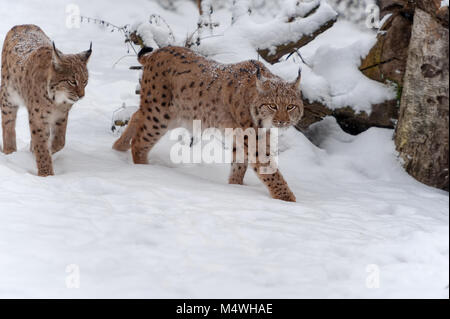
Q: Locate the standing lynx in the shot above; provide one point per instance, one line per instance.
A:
(47, 82)
(178, 84)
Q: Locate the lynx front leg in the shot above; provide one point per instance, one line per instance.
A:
(9, 115)
(238, 167)
(276, 184)
(267, 171)
(40, 134)
(237, 173)
(59, 133)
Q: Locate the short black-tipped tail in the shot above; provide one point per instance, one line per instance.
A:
(143, 52)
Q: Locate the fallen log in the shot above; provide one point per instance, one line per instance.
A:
(284, 49)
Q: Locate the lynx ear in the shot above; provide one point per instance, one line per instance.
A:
(86, 54)
(258, 72)
(56, 57)
(259, 80)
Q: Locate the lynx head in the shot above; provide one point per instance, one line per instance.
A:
(69, 75)
(277, 103)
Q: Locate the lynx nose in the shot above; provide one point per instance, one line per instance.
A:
(281, 123)
(81, 94)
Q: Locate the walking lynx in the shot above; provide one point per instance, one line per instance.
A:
(178, 84)
(47, 82)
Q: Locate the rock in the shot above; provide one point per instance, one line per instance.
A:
(396, 6)
(382, 115)
(422, 134)
(386, 61)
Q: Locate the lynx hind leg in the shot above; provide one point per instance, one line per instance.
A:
(9, 115)
(123, 144)
(149, 131)
(153, 122)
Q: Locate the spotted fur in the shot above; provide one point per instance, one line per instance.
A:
(35, 74)
(179, 85)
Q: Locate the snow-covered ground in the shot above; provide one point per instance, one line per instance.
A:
(361, 227)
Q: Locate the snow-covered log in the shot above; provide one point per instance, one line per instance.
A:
(299, 24)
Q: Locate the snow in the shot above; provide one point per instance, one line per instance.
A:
(295, 8)
(155, 32)
(355, 11)
(276, 31)
(166, 230)
(444, 3)
(347, 85)
(332, 75)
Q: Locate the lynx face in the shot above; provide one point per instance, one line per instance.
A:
(278, 104)
(69, 76)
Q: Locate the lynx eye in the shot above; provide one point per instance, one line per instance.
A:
(273, 107)
(291, 107)
(72, 83)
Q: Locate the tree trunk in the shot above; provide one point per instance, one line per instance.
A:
(422, 134)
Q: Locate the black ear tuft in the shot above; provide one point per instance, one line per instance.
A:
(258, 69)
(258, 72)
(89, 52)
(55, 50)
(144, 51)
(299, 77)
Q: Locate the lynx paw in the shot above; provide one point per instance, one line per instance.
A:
(9, 150)
(235, 181)
(45, 172)
(287, 196)
(57, 148)
(121, 146)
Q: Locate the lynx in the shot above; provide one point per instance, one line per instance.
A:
(47, 82)
(180, 85)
